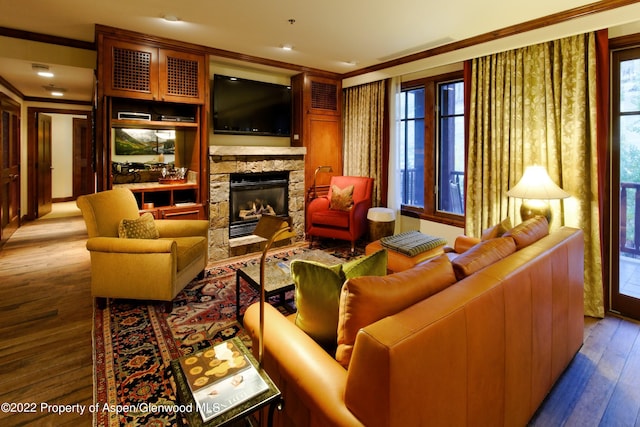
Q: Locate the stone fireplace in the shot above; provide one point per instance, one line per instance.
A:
(266, 166)
(252, 195)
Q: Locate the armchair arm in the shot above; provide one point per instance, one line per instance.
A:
(359, 217)
(133, 246)
(182, 227)
(313, 379)
(319, 204)
(316, 205)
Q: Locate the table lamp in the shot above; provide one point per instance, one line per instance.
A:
(315, 175)
(284, 228)
(536, 188)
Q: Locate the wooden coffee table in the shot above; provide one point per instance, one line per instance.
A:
(277, 275)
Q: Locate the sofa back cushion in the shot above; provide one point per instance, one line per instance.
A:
(497, 230)
(367, 299)
(529, 231)
(482, 255)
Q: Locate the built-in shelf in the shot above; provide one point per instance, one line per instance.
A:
(151, 124)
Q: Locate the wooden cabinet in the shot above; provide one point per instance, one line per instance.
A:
(317, 124)
(158, 87)
(133, 70)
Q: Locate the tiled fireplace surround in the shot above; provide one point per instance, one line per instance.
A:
(225, 160)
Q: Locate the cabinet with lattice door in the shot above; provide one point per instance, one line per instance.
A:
(140, 71)
(151, 121)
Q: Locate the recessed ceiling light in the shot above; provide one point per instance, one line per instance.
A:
(42, 70)
(171, 18)
(287, 47)
(54, 90)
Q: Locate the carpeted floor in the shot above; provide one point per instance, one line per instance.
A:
(134, 342)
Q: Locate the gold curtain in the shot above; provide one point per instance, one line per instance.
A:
(537, 105)
(363, 133)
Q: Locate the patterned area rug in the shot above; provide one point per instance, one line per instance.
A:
(134, 343)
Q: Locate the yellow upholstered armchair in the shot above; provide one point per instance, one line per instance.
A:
(145, 267)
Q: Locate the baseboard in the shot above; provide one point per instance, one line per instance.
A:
(63, 199)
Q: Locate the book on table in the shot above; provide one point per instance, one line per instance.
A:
(220, 378)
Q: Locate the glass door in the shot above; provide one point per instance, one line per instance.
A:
(625, 168)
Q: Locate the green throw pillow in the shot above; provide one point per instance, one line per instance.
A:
(374, 264)
(139, 228)
(317, 294)
(317, 299)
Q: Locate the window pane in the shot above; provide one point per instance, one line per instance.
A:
(452, 98)
(415, 103)
(450, 173)
(412, 143)
(630, 86)
(413, 193)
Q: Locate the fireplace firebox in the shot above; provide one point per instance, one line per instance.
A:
(253, 195)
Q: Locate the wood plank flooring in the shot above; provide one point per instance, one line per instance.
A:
(45, 320)
(46, 339)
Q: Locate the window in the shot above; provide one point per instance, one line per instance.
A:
(450, 147)
(412, 142)
(433, 155)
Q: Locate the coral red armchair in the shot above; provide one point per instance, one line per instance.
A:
(337, 215)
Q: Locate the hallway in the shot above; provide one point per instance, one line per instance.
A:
(45, 319)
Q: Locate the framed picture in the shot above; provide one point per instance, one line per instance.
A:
(144, 141)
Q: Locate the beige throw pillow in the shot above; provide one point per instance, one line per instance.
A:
(341, 198)
(139, 228)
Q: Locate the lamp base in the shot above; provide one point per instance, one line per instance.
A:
(531, 208)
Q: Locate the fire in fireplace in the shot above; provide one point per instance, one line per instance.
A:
(253, 195)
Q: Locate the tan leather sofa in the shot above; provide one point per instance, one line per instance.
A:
(134, 268)
(484, 351)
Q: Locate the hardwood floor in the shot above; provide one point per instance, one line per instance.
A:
(45, 320)
(46, 339)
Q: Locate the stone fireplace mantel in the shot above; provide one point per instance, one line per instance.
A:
(223, 150)
(227, 160)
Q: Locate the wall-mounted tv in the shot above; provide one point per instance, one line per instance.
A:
(249, 107)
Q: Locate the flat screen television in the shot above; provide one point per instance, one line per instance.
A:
(249, 107)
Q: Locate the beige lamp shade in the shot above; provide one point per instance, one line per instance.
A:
(536, 184)
(536, 187)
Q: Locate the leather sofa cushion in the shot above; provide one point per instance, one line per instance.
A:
(497, 230)
(331, 218)
(529, 231)
(482, 255)
(366, 299)
(317, 293)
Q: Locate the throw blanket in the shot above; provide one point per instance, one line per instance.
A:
(412, 243)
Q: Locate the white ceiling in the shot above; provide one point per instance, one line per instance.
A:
(333, 35)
